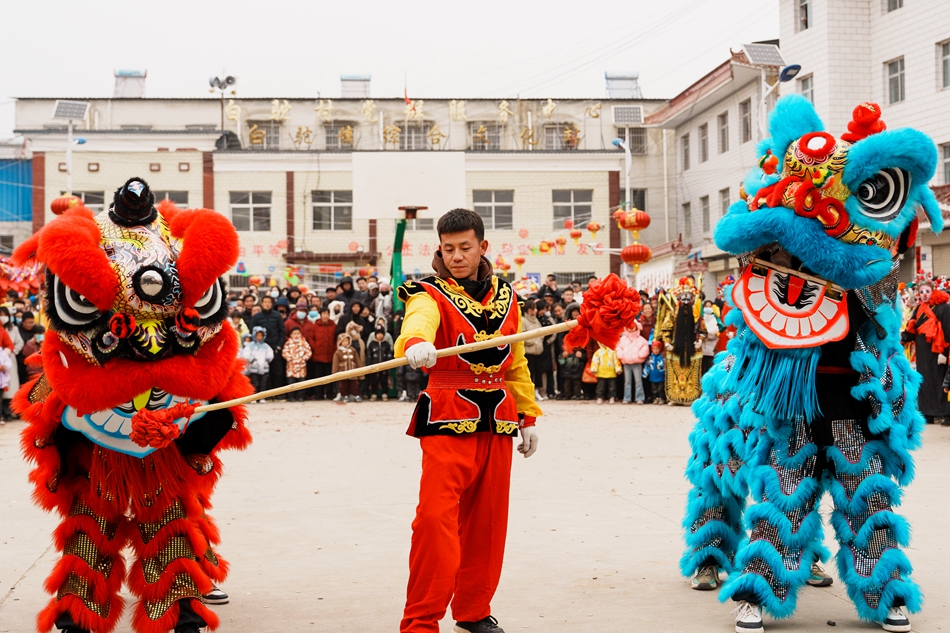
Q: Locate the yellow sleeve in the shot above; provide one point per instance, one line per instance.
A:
(519, 380)
(422, 321)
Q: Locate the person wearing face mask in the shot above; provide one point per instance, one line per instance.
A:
(11, 340)
(297, 318)
(323, 343)
(34, 346)
(929, 328)
(710, 327)
(382, 305)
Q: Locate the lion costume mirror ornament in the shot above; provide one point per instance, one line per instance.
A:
(814, 394)
(137, 310)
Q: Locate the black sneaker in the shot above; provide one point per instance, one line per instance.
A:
(215, 596)
(485, 625)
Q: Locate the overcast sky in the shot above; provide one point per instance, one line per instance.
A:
(300, 48)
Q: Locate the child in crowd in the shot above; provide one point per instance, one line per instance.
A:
(296, 352)
(34, 346)
(378, 351)
(606, 366)
(412, 379)
(259, 356)
(7, 365)
(571, 367)
(654, 370)
(632, 350)
(346, 358)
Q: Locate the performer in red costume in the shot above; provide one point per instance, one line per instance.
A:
(137, 310)
(474, 404)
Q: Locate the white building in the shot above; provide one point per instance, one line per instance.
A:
(315, 183)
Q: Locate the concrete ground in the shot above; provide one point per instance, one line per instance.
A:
(315, 521)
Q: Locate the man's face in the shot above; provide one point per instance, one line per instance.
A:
(29, 322)
(267, 303)
(549, 299)
(461, 253)
(255, 310)
(567, 296)
(325, 316)
(576, 285)
(331, 294)
(248, 302)
(361, 284)
(315, 302)
(552, 282)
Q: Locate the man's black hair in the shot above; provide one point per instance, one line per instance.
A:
(591, 277)
(460, 221)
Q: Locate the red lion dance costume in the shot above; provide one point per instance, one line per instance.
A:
(138, 312)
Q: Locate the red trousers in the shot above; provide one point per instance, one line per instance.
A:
(458, 535)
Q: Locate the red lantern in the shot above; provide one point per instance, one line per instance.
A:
(577, 235)
(544, 247)
(636, 254)
(634, 221)
(61, 204)
(519, 261)
(569, 224)
(617, 215)
(560, 241)
(593, 227)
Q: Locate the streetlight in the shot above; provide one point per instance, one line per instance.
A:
(786, 74)
(222, 85)
(68, 111)
(769, 56)
(626, 164)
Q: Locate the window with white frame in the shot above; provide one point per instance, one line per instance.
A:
(895, 80)
(572, 204)
(415, 135)
(6, 244)
(92, 200)
(635, 138)
(722, 123)
(806, 87)
(496, 207)
(566, 279)
(745, 121)
(724, 201)
(180, 198)
(238, 281)
(687, 219)
(263, 134)
(560, 136)
(332, 210)
(339, 134)
(485, 135)
(894, 5)
(684, 151)
(946, 163)
(704, 207)
(703, 142)
(804, 14)
(250, 210)
(944, 51)
(638, 198)
(419, 224)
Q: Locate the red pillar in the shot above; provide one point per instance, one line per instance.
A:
(39, 190)
(613, 199)
(207, 172)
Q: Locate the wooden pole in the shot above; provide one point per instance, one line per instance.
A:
(390, 364)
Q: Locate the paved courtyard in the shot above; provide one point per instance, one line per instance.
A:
(315, 521)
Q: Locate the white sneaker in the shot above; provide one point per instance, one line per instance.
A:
(896, 621)
(338, 397)
(748, 618)
(537, 396)
(403, 397)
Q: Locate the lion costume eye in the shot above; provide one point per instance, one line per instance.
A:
(210, 302)
(73, 308)
(882, 196)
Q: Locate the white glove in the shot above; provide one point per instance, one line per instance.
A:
(421, 355)
(941, 359)
(668, 347)
(698, 345)
(529, 441)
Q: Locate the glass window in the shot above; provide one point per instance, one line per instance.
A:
(561, 136)
(180, 198)
(339, 135)
(413, 135)
(946, 164)
(250, 210)
(684, 151)
(723, 124)
(745, 118)
(945, 64)
(263, 134)
(419, 224)
(332, 210)
(804, 14)
(635, 138)
(572, 204)
(638, 197)
(495, 207)
(92, 200)
(724, 201)
(703, 142)
(704, 206)
(895, 80)
(894, 5)
(485, 135)
(687, 219)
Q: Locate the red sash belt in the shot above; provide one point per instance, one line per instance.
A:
(465, 379)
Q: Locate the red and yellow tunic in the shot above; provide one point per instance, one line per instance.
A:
(485, 391)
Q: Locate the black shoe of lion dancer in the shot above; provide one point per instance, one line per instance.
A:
(485, 625)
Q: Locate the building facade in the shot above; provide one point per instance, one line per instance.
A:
(314, 185)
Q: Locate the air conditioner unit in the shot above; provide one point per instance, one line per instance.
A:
(627, 114)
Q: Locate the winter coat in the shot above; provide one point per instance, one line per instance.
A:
(382, 306)
(14, 333)
(240, 330)
(322, 339)
(356, 340)
(572, 366)
(257, 355)
(273, 325)
(546, 362)
(345, 359)
(632, 348)
(378, 352)
(7, 368)
(605, 363)
(654, 369)
(296, 352)
(534, 346)
(32, 347)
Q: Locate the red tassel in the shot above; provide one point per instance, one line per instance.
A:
(157, 428)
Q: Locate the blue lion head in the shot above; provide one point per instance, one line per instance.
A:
(839, 209)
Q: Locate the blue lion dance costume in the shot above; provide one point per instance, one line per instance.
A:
(813, 393)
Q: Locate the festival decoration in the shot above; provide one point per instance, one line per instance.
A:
(519, 262)
(576, 235)
(256, 280)
(523, 233)
(568, 224)
(593, 227)
(22, 279)
(241, 269)
(61, 204)
(634, 221)
(636, 254)
(560, 241)
(544, 247)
